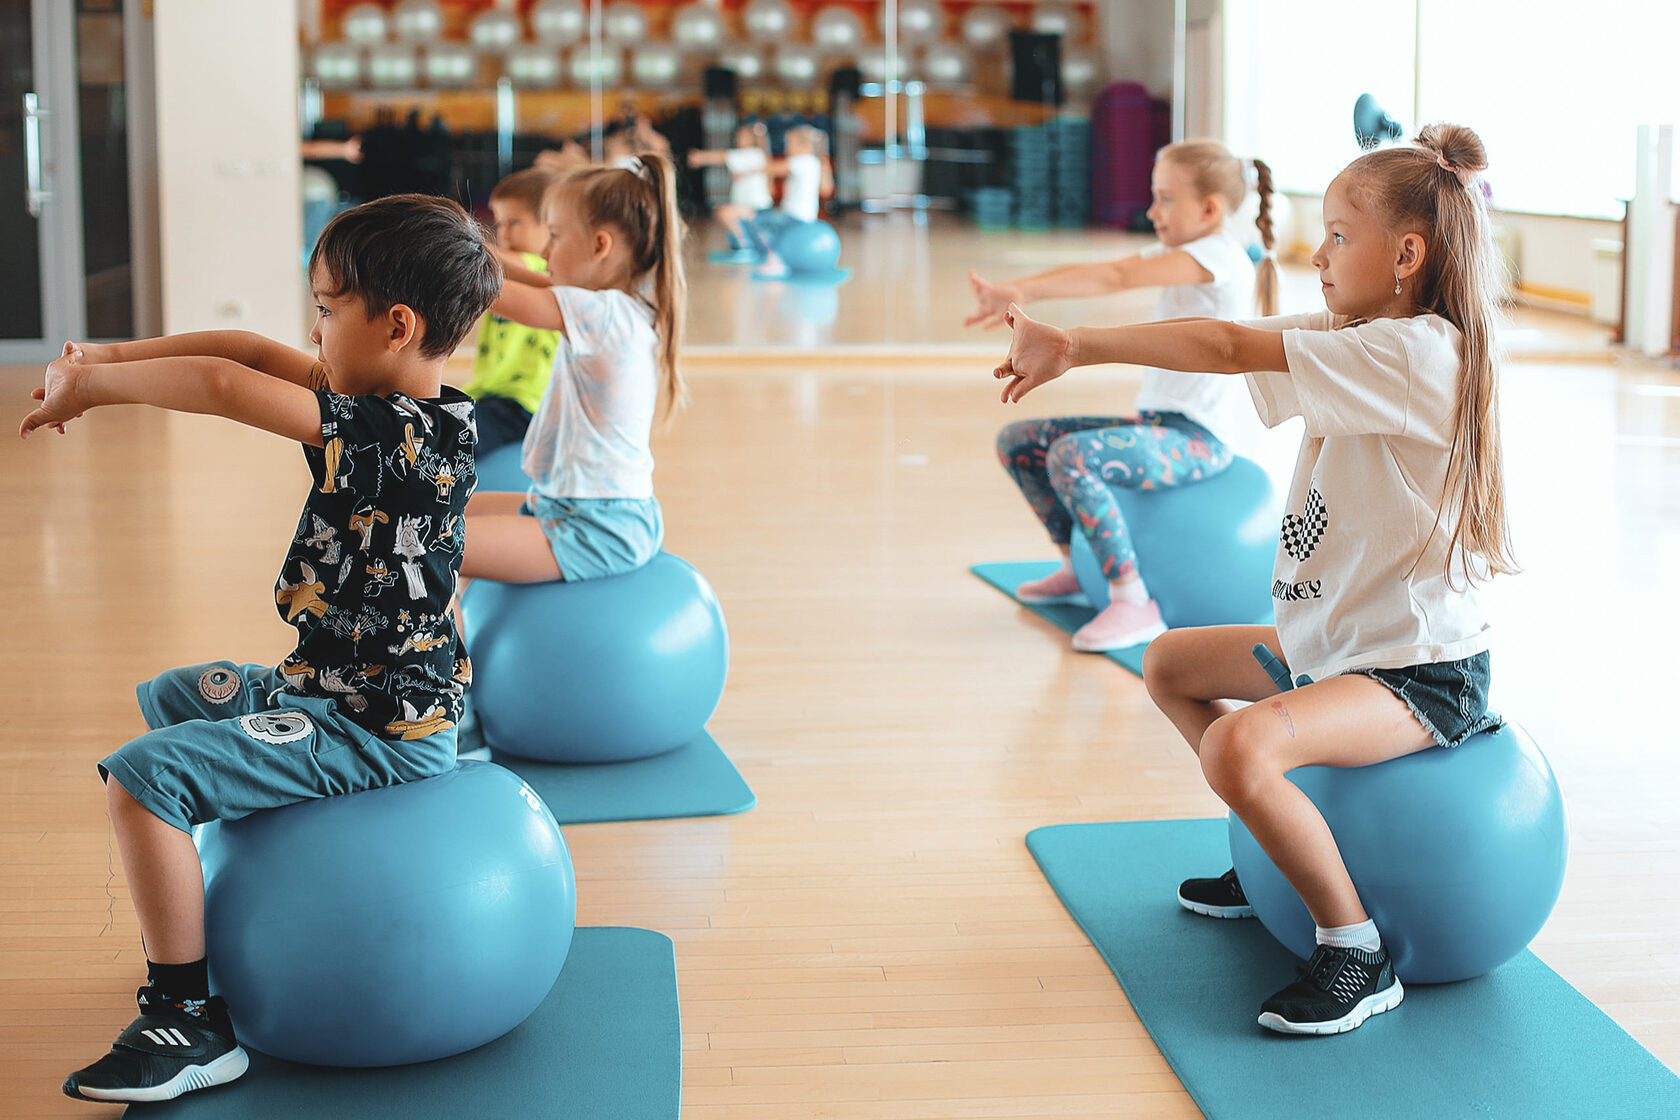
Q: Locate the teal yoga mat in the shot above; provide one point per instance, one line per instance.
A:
(696, 780)
(1519, 1042)
(606, 1043)
(1009, 575)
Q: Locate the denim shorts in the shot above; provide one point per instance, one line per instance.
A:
(1449, 697)
(597, 537)
(223, 745)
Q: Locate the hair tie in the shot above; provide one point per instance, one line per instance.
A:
(1269, 255)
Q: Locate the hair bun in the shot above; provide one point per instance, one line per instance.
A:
(1459, 146)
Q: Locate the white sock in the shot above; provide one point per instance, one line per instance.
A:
(1129, 591)
(1360, 935)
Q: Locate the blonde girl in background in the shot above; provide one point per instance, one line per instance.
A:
(749, 181)
(1396, 509)
(512, 363)
(1181, 423)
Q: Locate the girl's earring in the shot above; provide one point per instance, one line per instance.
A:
(1397, 285)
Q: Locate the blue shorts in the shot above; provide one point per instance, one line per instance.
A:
(597, 537)
(220, 750)
(1450, 698)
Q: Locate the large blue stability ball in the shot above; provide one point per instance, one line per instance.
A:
(602, 670)
(501, 470)
(808, 248)
(391, 926)
(1458, 854)
(1204, 549)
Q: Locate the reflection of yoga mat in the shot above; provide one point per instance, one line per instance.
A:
(605, 1043)
(695, 780)
(1518, 1042)
(1007, 576)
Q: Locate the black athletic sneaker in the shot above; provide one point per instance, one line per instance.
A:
(1217, 898)
(1337, 990)
(167, 1051)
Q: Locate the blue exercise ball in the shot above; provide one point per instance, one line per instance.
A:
(808, 248)
(501, 470)
(1458, 854)
(390, 926)
(601, 670)
(1204, 549)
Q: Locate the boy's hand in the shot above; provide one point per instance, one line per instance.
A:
(1037, 353)
(90, 353)
(61, 399)
(993, 301)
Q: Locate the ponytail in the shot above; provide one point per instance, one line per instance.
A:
(1266, 275)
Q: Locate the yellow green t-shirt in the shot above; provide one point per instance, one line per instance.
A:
(513, 360)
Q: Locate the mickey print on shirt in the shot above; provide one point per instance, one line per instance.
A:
(1300, 535)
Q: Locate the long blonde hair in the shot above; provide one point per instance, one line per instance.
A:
(1216, 173)
(640, 202)
(1431, 189)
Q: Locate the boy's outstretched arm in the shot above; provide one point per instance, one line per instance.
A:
(248, 348)
(213, 385)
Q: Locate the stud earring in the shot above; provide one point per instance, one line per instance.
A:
(1397, 285)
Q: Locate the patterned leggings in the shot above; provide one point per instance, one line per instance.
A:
(1066, 464)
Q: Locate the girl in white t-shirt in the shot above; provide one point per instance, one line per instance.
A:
(1065, 465)
(1396, 509)
(749, 181)
(615, 290)
(806, 181)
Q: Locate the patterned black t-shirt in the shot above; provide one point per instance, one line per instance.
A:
(370, 573)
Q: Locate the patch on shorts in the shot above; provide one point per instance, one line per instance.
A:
(218, 685)
(277, 728)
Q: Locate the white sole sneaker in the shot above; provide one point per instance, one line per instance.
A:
(229, 1067)
(1123, 641)
(1076, 599)
(1374, 1004)
(1216, 911)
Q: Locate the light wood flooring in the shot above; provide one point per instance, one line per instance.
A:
(873, 941)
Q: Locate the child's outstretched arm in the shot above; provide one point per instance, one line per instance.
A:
(527, 296)
(213, 385)
(707, 157)
(248, 348)
(1039, 352)
(1077, 281)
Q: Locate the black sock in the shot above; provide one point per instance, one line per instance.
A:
(180, 981)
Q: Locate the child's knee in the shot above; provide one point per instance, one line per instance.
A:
(1063, 460)
(1011, 439)
(1233, 757)
(1164, 663)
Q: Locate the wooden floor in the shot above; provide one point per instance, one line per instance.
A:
(873, 942)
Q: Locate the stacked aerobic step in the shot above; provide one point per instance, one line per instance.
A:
(1031, 172)
(1071, 141)
(993, 207)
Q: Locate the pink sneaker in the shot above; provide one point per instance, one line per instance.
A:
(1060, 586)
(1119, 625)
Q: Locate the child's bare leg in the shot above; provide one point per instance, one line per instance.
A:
(164, 878)
(506, 545)
(1193, 674)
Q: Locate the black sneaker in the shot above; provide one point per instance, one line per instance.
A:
(1217, 898)
(167, 1051)
(1337, 990)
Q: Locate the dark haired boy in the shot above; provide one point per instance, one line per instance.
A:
(372, 692)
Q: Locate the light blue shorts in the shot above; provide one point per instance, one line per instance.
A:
(597, 537)
(220, 750)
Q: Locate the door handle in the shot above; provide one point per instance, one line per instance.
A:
(33, 193)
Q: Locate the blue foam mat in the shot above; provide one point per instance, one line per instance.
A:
(1519, 1042)
(695, 780)
(607, 1042)
(1006, 576)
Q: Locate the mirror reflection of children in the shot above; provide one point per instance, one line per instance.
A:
(806, 181)
(749, 181)
(1066, 465)
(1395, 512)
(512, 364)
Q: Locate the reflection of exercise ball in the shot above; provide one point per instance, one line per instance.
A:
(796, 65)
(318, 186)
(364, 24)
(393, 66)
(945, 64)
(333, 924)
(1057, 19)
(767, 21)
(1458, 854)
(656, 64)
(338, 65)
(417, 21)
(533, 66)
(494, 30)
(584, 66)
(1079, 72)
(558, 22)
(747, 63)
(808, 248)
(986, 28)
(624, 21)
(810, 305)
(697, 27)
(837, 29)
(450, 65)
(1204, 549)
(602, 670)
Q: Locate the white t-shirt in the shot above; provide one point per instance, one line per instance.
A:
(589, 437)
(802, 189)
(1349, 586)
(1213, 400)
(749, 186)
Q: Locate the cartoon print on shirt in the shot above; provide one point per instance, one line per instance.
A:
(444, 474)
(325, 538)
(305, 595)
(380, 578)
(411, 545)
(334, 451)
(363, 522)
(333, 681)
(415, 725)
(296, 673)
